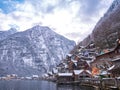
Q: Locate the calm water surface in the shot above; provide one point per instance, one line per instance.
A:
(36, 85)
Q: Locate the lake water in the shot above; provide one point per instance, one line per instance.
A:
(36, 85)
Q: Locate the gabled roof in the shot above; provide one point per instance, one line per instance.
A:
(104, 73)
(55, 70)
(74, 61)
(50, 73)
(69, 55)
(45, 75)
(77, 72)
(110, 68)
(88, 71)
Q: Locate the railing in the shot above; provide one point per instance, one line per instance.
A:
(101, 83)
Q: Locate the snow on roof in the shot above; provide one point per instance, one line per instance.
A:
(104, 73)
(88, 62)
(69, 55)
(35, 76)
(74, 61)
(107, 78)
(45, 75)
(55, 70)
(116, 59)
(92, 44)
(75, 64)
(82, 46)
(110, 68)
(14, 74)
(88, 71)
(66, 66)
(78, 71)
(118, 77)
(50, 73)
(64, 74)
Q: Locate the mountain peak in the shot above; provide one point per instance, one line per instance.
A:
(38, 27)
(34, 51)
(12, 30)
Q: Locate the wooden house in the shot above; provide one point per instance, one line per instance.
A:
(81, 74)
(115, 69)
(61, 67)
(68, 57)
(64, 78)
(72, 65)
(83, 65)
(102, 59)
(107, 60)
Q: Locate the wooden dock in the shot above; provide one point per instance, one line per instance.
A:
(98, 84)
(102, 84)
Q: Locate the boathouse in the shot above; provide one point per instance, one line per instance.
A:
(63, 78)
(78, 74)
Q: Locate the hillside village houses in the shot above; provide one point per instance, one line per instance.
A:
(86, 62)
(109, 62)
(77, 63)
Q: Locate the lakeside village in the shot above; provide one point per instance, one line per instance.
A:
(91, 67)
(85, 66)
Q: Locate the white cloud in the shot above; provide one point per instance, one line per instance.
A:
(66, 18)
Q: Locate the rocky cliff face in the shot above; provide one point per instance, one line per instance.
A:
(107, 30)
(34, 51)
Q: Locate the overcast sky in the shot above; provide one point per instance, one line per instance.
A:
(74, 19)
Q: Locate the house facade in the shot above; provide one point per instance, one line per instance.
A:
(65, 78)
(79, 74)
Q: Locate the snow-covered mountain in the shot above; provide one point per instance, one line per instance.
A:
(33, 51)
(5, 34)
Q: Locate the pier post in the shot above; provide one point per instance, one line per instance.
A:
(101, 84)
(116, 82)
